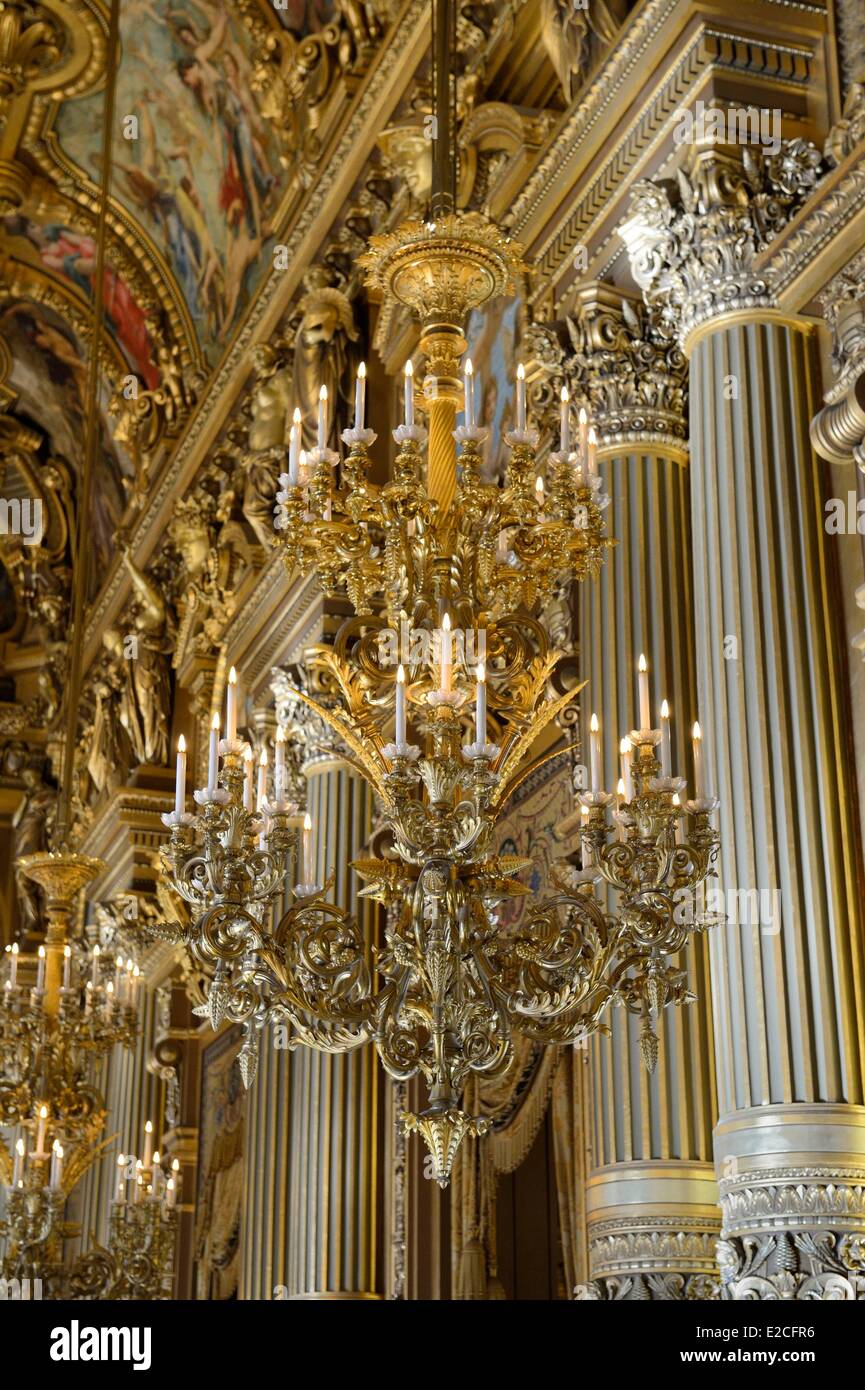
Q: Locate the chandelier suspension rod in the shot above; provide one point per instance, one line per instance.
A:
(91, 437)
(444, 157)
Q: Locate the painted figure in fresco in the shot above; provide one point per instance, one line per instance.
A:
(49, 375)
(72, 255)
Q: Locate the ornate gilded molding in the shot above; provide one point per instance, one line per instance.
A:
(693, 251)
(629, 1246)
(708, 50)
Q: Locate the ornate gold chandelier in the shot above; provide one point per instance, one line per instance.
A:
(73, 1000)
(463, 565)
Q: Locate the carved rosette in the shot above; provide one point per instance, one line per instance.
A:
(793, 1233)
(693, 249)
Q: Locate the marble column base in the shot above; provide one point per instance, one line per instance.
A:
(653, 1228)
(792, 1183)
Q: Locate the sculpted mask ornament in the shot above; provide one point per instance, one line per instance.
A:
(323, 355)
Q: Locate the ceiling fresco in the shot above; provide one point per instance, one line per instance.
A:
(201, 172)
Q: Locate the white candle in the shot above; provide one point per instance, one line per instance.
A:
(40, 969)
(118, 977)
(18, 1170)
(40, 1131)
(565, 428)
(56, 1164)
(595, 746)
(279, 775)
(539, 497)
(294, 448)
(121, 1179)
(180, 785)
(231, 707)
(13, 976)
(679, 833)
(360, 397)
(645, 705)
(584, 435)
(699, 791)
(625, 751)
(476, 395)
(408, 392)
(481, 704)
(94, 974)
(248, 768)
(445, 679)
(137, 1184)
(67, 965)
(592, 449)
(468, 394)
(170, 1191)
(213, 754)
(148, 1143)
(665, 740)
(308, 851)
(400, 705)
(262, 779)
(322, 417)
(521, 397)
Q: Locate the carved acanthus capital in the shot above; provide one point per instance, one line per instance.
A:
(793, 1234)
(632, 379)
(309, 740)
(692, 247)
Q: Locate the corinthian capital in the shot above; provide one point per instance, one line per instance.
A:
(631, 378)
(692, 245)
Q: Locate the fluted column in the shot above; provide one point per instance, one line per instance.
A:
(314, 1180)
(787, 961)
(652, 1197)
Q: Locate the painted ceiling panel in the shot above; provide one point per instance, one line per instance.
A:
(197, 167)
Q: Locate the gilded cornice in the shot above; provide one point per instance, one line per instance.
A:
(590, 218)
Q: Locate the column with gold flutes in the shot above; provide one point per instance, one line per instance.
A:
(652, 1196)
(314, 1184)
(787, 960)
